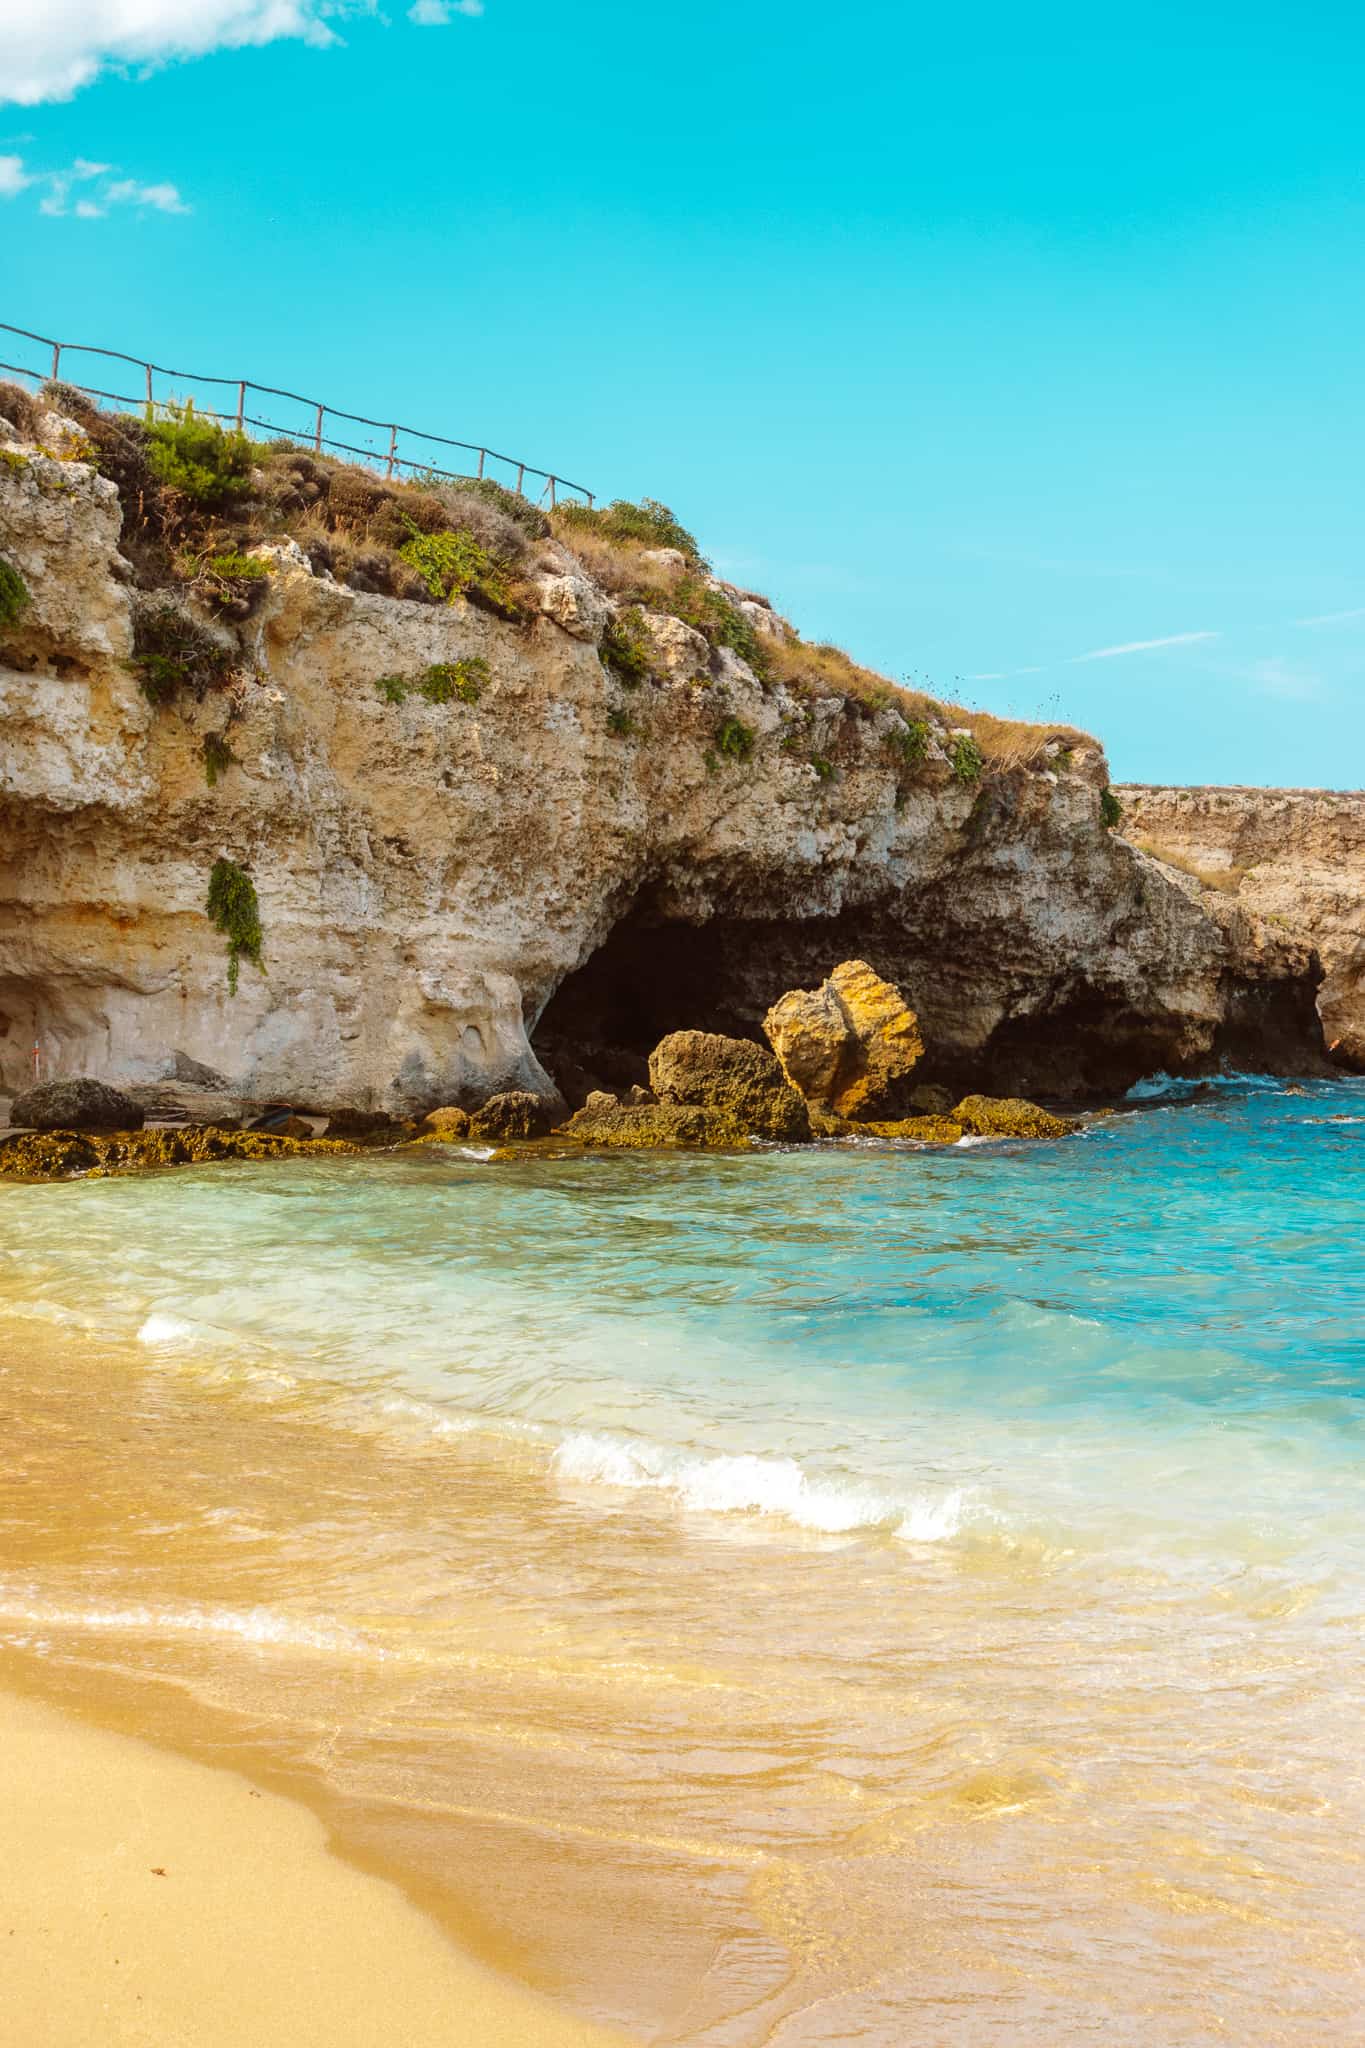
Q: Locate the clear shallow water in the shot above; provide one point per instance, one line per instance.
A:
(844, 1596)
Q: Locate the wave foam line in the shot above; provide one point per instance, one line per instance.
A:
(743, 1483)
(250, 1625)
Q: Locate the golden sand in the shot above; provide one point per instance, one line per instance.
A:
(150, 1902)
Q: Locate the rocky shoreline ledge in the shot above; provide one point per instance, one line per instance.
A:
(839, 1064)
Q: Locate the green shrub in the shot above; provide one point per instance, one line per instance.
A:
(911, 744)
(241, 568)
(441, 683)
(823, 766)
(233, 907)
(14, 593)
(966, 758)
(454, 564)
(626, 647)
(1111, 810)
(173, 652)
(718, 617)
(528, 517)
(446, 680)
(734, 739)
(218, 756)
(649, 523)
(621, 723)
(199, 459)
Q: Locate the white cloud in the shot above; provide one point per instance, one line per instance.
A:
(1277, 677)
(99, 194)
(49, 49)
(1322, 619)
(437, 13)
(1143, 646)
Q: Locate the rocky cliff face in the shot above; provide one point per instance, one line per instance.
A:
(457, 897)
(1293, 857)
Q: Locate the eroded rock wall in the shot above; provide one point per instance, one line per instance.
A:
(430, 875)
(1293, 857)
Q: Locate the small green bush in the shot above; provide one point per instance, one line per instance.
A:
(218, 757)
(528, 517)
(233, 907)
(734, 739)
(241, 568)
(454, 564)
(14, 593)
(718, 617)
(966, 758)
(911, 744)
(823, 766)
(1111, 810)
(621, 723)
(446, 680)
(393, 689)
(626, 647)
(173, 652)
(199, 459)
(649, 523)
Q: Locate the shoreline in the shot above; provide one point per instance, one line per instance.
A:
(146, 1898)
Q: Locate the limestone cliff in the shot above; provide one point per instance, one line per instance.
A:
(1294, 857)
(455, 896)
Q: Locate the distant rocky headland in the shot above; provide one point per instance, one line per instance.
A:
(370, 798)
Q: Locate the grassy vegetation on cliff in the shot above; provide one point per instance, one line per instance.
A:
(233, 908)
(14, 595)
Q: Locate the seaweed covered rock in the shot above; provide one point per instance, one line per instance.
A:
(448, 1124)
(79, 1105)
(922, 1130)
(643, 1127)
(514, 1114)
(57, 1155)
(849, 1044)
(1008, 1116)
(732, 1076)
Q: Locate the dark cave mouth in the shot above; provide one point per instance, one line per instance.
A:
(652, 976)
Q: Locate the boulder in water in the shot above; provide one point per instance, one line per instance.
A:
(732, 1076)
(80, 1105)
(514, 1114)
(1009, 1116)
(448, 1124)
(847, 1045)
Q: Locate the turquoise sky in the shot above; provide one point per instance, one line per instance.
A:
(992, 345)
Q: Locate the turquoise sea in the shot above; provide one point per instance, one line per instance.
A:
(857, 1594)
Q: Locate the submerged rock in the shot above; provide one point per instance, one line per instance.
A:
(641, 1127)
(924, 1130)
(80, 1105)
(57, 1155)
(847, 1044)
(514, 1114)
(1008, 1116)
(734, 1077)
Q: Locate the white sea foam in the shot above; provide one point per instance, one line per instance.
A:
(161, 1329)
(261, 1625)
(744, 1483)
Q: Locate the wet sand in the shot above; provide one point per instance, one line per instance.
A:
(149, 1900)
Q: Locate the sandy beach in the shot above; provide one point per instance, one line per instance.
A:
(147, 1901)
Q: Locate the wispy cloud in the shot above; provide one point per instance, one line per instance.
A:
(1276, 677)
(1143, 646)
(438, 13)
(49, 49)
(1002, 675)
(86, 190)
(1322, 619)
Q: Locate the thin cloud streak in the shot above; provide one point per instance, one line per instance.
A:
(1143, 646)
(1333, 618)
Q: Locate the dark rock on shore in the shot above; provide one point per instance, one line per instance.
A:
(57, 1155)
(79, 1105)
(733, 1077)
(644, 1127)
(515, 1114)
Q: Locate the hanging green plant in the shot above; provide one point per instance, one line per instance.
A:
(233, 907)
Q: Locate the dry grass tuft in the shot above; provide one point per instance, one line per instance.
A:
(1227, 881)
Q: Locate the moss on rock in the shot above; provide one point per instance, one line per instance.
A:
(57, 1155)
(670, 1126)
(1009, 1116)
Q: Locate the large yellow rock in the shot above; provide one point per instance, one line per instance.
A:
(847, 1044)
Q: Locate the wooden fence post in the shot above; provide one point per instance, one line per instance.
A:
(56, 359)
(317, 433)
(241, 406)
(393, 443)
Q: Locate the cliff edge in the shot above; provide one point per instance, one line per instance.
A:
(507, 832)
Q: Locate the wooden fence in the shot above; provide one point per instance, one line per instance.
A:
(308, 428)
